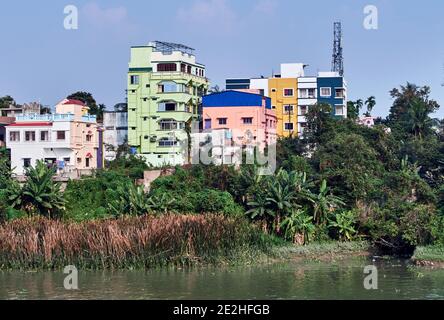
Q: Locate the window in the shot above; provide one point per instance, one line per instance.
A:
(303, 110)
(26, 162)
(339, 93)
(183, 67)
(14, 136)
(207, 124)
(67, 160)
(170, 124)
(222, 121)
(288, 92)
(189, 69)
(79, 160)
(325, 92)
(273, 107)
(312, 93)
(273, 90)
(87, 162)
(247, 120)
(288, 126)
(88, 137)
(167, 142)
(167, 106)
(288, 109)
(44, 135)
(339, 110)
(171, 87)
(60, 135)
(165, 67)
(29, 135)
(134, 80)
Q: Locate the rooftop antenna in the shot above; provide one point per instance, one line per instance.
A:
(338, 60)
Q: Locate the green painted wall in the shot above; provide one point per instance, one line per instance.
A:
(143, 113)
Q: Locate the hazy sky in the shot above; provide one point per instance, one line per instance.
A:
(40, 60)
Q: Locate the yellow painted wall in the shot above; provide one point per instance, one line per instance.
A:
(276, 88)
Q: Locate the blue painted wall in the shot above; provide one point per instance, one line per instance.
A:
(234, 99)
(332, 83)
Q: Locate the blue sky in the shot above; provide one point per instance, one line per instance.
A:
(41, 61)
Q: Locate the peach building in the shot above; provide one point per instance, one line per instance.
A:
(69, 139)
(248, 116)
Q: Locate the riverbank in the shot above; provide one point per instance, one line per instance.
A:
(429, 256)
(327, 251)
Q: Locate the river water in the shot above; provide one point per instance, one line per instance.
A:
(344, 279)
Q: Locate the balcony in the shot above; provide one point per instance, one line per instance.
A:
(54, 117)
(89, 118)
(167, 75)
(45, 117)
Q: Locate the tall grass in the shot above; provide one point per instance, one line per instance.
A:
(131, 242)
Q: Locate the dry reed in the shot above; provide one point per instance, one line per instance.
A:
(131, 242)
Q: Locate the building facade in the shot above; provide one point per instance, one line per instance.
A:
(69, 139)
(332, 90)
(292, 93)
(116, 130)
(247, 116)
(165, 89)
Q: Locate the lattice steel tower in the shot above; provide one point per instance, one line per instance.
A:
(338, 60)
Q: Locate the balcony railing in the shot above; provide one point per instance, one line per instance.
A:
(45, 117)
(53, 117)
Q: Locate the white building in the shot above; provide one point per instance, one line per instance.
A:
(69, 139)
(307, 97)
(116, 130)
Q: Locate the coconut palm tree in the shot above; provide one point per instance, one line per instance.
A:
(418, 118)
(370, 103)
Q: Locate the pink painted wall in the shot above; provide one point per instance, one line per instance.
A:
(263, 126)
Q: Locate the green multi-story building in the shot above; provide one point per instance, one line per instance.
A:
(165, 89)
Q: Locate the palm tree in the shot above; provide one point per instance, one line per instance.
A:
(40, 194)
(418, 118)
(359, 105)
(323, 203)
(370, 103)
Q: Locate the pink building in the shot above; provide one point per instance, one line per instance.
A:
(248, 116)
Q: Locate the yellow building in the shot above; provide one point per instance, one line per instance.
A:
(284, 99)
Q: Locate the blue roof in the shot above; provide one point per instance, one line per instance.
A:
(235, 99)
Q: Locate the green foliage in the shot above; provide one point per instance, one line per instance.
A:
(131, 200)
(129, 165)
(89, 198)
(6, 101)
(344, 224)
(40, 195)
(298, 227)
(89, 100)
(350, 166)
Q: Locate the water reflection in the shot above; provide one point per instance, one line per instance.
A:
(289, 280)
